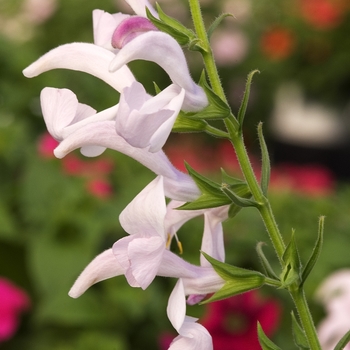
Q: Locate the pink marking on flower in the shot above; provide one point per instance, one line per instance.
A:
(13, 301)
(129, 29)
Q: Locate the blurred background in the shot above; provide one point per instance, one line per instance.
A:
(56, 215)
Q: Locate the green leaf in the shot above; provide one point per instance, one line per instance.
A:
(236, 199)
(299, 334)
(217, 22)
(172, 27)
(265, 342)
(315, 252)
(230, 180)
(243, 108)
(216, 109)
(238, 280)
(266, 166)
(343, 341)
(292, 270)
(264, 262)
(211, 196)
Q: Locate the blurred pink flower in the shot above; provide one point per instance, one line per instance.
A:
(13, 301)
(100, 188)
(46, 145)
(229, 46)
(232, 322)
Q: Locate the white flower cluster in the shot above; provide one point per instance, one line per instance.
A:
(138, 126)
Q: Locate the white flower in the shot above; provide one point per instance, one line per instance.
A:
(145, 121)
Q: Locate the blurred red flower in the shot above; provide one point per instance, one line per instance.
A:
(13, 301)
(322, 14)
(232, 322)
(303, 179)
(277, 43)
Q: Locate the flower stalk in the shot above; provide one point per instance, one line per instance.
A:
(296, 291)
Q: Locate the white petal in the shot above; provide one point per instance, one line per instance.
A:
(177, 185)
(84, 57)
(104, 25)
(139, 7)
(183, 188)
(176, 309)
(193, 336)
(213, 236)
(162, 49)
(175, 218)
(102, 267)
(146, 212)
(59, 107)
(196, 279)
(146, 256)
(161, 135)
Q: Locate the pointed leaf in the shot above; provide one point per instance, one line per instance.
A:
(236, 199)
(343, 341)
(238, 280)
(211, 196)
(217, 22)
(229, 179)
(299, 336)
(244, 104)
(264, 262)
(316, 251)
(265, 342)
(266, 166)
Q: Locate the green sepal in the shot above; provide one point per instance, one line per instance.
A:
(233, 210)
(343, 341)
(240, 188)
(184, 124)
(236, 199)
(264, 262)
(211, 196)
(171, 26)
(217, 22)
(243, 108)
(291, 272)
(265, 342)
(216, 109)
(315, 252)
(238, 280)
(265, 162)
(299, 336)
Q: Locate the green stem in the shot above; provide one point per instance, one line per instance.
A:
(266, 213)
(305, 316)
(207, 55)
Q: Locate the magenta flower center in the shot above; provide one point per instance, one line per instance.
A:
(129, 29)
